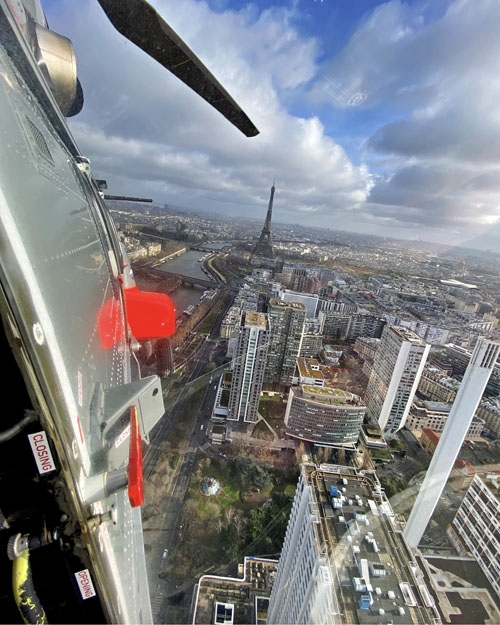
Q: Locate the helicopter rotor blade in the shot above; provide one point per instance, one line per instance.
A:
(141, 24)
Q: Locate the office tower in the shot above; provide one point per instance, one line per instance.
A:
(323, 415)
(475, 530)
(478, 371)
(286, 326)
(396, 371)
(249, 366)
(343, 560)
(264, 246)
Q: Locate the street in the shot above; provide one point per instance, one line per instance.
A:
(168, 528)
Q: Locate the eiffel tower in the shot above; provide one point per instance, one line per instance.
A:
(264, 246)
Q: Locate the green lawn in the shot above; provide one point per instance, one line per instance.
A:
(262, 431)
(380, 454)
(395, 443)
(276, 423)
(270, 398)
(272, 407)
(206, 325)
(229, 494)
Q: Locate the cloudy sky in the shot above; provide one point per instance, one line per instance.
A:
(374, 117)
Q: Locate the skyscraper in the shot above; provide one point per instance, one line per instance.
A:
(343, 559)
(476, 377)
(264, 246)
(249, 366)
(397, 367)
(286, 327)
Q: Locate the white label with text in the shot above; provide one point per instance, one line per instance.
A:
(123, 436)
(85, 584)
(42, 453)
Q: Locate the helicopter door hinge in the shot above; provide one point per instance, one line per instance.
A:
(109, 407)
(83, 164)
(102, 485)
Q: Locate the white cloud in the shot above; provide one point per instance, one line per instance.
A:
(438, 79)
(433, 164)
(148, 133)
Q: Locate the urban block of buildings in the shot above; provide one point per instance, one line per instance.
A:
(432, 415)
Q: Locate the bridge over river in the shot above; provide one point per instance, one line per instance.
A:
(186, 280)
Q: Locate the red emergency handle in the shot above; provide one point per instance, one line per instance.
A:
(135, 478)
(150, 315)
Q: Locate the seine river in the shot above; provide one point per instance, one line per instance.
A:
(187, 265)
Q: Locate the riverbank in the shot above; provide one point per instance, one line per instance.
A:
(184, 325)
(211, 271)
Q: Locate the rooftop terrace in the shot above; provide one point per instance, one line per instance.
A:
(248, 594)
(363, 543)
(255, 319)
(331, 396)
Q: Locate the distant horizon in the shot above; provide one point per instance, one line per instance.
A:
(204, 212)
(379, 117)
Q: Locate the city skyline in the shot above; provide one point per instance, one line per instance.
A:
(309, 434)
(329, 118)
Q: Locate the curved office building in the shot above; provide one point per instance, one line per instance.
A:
(324, 416)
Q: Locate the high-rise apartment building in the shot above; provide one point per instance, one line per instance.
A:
(350, 325)
(475, 530)
(298, 280)
(476, 377)
(311, 345)
(344, 559)
(396, 371)
(365, 324)
(248, 368)
(366, 347)
(335, 305)
(286, 327)
(334, 324)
